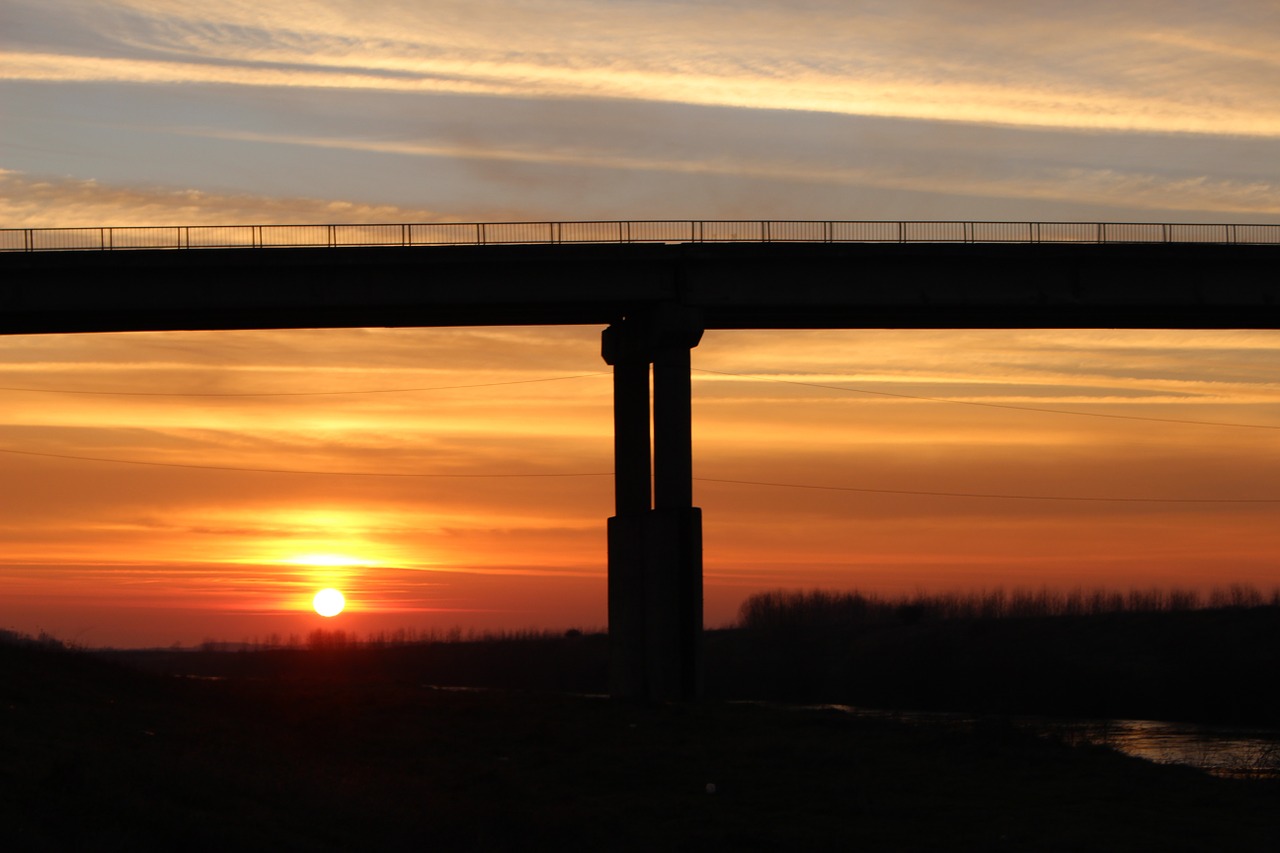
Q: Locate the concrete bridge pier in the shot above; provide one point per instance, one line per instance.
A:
(655, 538)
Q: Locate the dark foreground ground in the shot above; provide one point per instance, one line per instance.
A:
(94, 756)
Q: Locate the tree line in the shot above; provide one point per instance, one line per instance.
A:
(781, 608)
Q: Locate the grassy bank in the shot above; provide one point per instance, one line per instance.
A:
(96, 756)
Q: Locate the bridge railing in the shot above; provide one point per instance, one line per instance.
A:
(634, 231)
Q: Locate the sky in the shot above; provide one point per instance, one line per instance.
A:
(178, 487)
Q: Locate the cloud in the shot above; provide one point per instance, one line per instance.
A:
(1047, 182)
(1187, 364)
(64, 202)
(1083, 68)
(578, 109)
(29, 201)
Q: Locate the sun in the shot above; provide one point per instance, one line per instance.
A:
(330, 561)
(328, 602)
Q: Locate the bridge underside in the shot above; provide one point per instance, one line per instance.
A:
(655, 300)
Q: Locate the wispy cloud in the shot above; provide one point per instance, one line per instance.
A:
(1069, 69)
(1137, 189)
(585, 109)
(28, 201)
(60, 202)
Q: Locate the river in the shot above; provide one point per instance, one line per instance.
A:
(1221, 750)
(1237, 752)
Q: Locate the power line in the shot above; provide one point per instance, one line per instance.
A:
(989, 405)
(300, 393)
(292, 470)
(1087, 499)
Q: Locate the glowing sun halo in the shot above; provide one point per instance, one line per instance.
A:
(328, 602)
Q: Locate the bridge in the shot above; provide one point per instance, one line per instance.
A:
(656, 287)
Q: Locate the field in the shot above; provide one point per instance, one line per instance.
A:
(330, 756)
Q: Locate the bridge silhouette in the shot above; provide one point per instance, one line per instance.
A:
(655, 287)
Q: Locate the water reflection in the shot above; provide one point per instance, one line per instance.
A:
(1221, 750)
(1252, 753)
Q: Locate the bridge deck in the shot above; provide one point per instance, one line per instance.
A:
(734, 285)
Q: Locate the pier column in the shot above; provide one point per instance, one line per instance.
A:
(655, 538)
(625, 346)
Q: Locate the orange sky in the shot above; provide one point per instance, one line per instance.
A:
(150, 554)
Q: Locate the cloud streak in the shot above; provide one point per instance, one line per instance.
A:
(1144, 190)
(1074, 70)
(322, 110)
(28, 201)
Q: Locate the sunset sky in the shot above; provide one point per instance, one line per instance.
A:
(176, 487)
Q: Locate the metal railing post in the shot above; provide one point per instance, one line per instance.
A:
(859, 231)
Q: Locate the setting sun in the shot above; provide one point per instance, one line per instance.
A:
(328, 560)
(328, 602)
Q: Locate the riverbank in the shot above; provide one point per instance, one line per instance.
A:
(103, 757)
